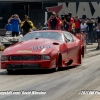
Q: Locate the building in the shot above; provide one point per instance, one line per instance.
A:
(36, 9)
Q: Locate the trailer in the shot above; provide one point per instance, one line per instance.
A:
(6, 41)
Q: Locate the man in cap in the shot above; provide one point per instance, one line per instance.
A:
(54, 22)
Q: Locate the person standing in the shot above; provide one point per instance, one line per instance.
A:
(8, 28)
(83, 26)
(87, 33)
(98, 35)
(27, 25)
(15, 21)
(90, 32)
(83, 33)
(64, 20)
(54, 22)
(39, 27)
(71, 21)
(77, 26)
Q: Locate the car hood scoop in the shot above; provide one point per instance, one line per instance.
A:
(55, 43)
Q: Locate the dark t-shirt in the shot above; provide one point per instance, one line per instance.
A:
(26, 26)
(66, 26)
(53, 23)
(90, 25)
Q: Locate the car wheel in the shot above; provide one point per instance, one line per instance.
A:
(80, 58)
(57, 64)
(56, 69)
(9, 71)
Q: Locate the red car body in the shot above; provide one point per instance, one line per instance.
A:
(43, 53)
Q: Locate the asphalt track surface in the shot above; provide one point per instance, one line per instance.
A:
(66, 84)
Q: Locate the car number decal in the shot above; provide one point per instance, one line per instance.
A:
(40, 47)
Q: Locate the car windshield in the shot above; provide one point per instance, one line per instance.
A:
(49, 35)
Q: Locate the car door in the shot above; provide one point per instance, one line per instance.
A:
(72, 46)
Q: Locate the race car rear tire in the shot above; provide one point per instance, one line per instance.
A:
(80, 57)
(55, 69)
(58, 64)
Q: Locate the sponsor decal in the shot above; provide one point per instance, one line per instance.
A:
(24, 51)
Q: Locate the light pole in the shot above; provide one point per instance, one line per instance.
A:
(46, 16)
(27, 8)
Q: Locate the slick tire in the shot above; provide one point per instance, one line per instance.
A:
(9, 71)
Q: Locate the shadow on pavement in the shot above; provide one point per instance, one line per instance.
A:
(30, 72)
(94, 50)
(68, 68)
(36, 71)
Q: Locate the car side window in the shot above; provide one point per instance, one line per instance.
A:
(69, 37)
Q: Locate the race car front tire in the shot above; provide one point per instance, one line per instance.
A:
(9, 71)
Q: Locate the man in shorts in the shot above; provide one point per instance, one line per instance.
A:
(15, 21)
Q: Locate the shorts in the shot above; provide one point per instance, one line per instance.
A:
(82, 32)
(77, 30)
(15, 34)
(98, 35)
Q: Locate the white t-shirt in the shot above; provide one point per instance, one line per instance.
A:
(83, 27)
(98, 30)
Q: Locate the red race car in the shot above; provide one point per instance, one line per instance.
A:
(45, 49)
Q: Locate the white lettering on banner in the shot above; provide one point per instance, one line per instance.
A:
(97, 8)
(83, 9)
(71, 8)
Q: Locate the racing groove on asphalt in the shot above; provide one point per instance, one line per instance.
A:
(61, 85)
